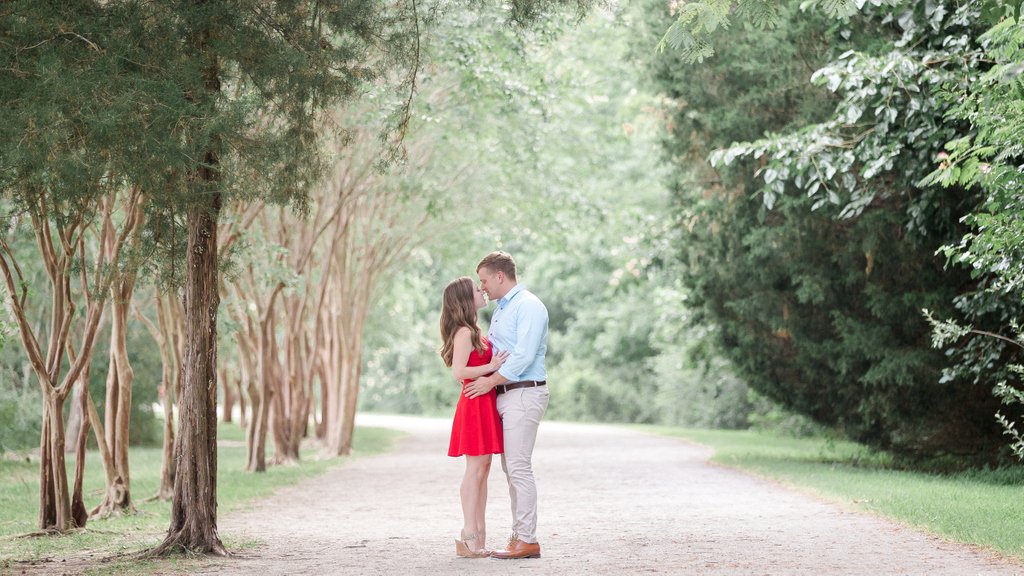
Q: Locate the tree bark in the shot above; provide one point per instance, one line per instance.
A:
(227, 385)
(117, 414)
(243, 418)
(55, 501)
(193, 525)
(167, 467)
(120, 376)
(170, 339)
(81, 406)
(75, 421)
(166, 332)
(255, 458)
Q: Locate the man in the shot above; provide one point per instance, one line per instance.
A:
(519, 326)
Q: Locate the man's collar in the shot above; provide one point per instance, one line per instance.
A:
(510, 295)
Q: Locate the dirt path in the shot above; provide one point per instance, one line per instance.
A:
(612, 501)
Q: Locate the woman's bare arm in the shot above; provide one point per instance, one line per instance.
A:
(462, 346)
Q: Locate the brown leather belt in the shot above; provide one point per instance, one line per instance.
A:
(502, 388)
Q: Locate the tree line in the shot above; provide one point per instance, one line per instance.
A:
(193, 165)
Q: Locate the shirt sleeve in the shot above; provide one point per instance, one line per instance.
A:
(531, 326)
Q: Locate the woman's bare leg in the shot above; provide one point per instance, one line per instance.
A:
(481, 507)
(476, 468)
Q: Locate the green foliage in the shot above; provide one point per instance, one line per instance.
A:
(987, 158)
(690, 34)
(815, 286)
(19, 411)
(566, 177)
(884, 125)
(1011, 396)
(145, 94)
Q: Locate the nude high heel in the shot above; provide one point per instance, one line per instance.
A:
(462, 549)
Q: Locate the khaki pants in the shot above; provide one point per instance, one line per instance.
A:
(521, 410)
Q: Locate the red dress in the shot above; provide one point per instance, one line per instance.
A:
(476, 430)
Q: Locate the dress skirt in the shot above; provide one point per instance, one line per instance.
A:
(476, 428)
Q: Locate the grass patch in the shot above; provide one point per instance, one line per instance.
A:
(981, 507)
(236, 489)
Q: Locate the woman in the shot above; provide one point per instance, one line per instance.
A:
(476, 430)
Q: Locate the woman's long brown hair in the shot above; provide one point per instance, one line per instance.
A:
(457, 310)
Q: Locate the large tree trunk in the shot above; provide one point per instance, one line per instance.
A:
(194, 508)
(193, 525)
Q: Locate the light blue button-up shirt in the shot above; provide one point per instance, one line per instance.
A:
(520, 326)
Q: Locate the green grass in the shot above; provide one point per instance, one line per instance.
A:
(982, 507)
(19, 498)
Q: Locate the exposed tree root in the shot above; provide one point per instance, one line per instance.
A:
(173, 544)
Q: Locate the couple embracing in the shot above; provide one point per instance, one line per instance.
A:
(504, 396)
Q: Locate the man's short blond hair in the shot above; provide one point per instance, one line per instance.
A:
(499, 262)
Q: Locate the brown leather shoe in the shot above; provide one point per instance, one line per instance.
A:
(518, 549)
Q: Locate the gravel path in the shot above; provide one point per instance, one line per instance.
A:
(612, 501)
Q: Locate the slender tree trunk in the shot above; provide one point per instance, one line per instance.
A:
(227, 385)
(75, 421)
(256, 433)
(321, 422)
(81, 406)
(166, 333)
(285, 450)
(351, 372)
(55, 502)
(105, 456)
(260, 420)
(248, 369)
(59, 260)
(265, 394)
(78, 511)
(299, 376)
(242, 407)
(166, 489)
(115, 488)
(118, 411)
(169, 337)
(120, 376)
